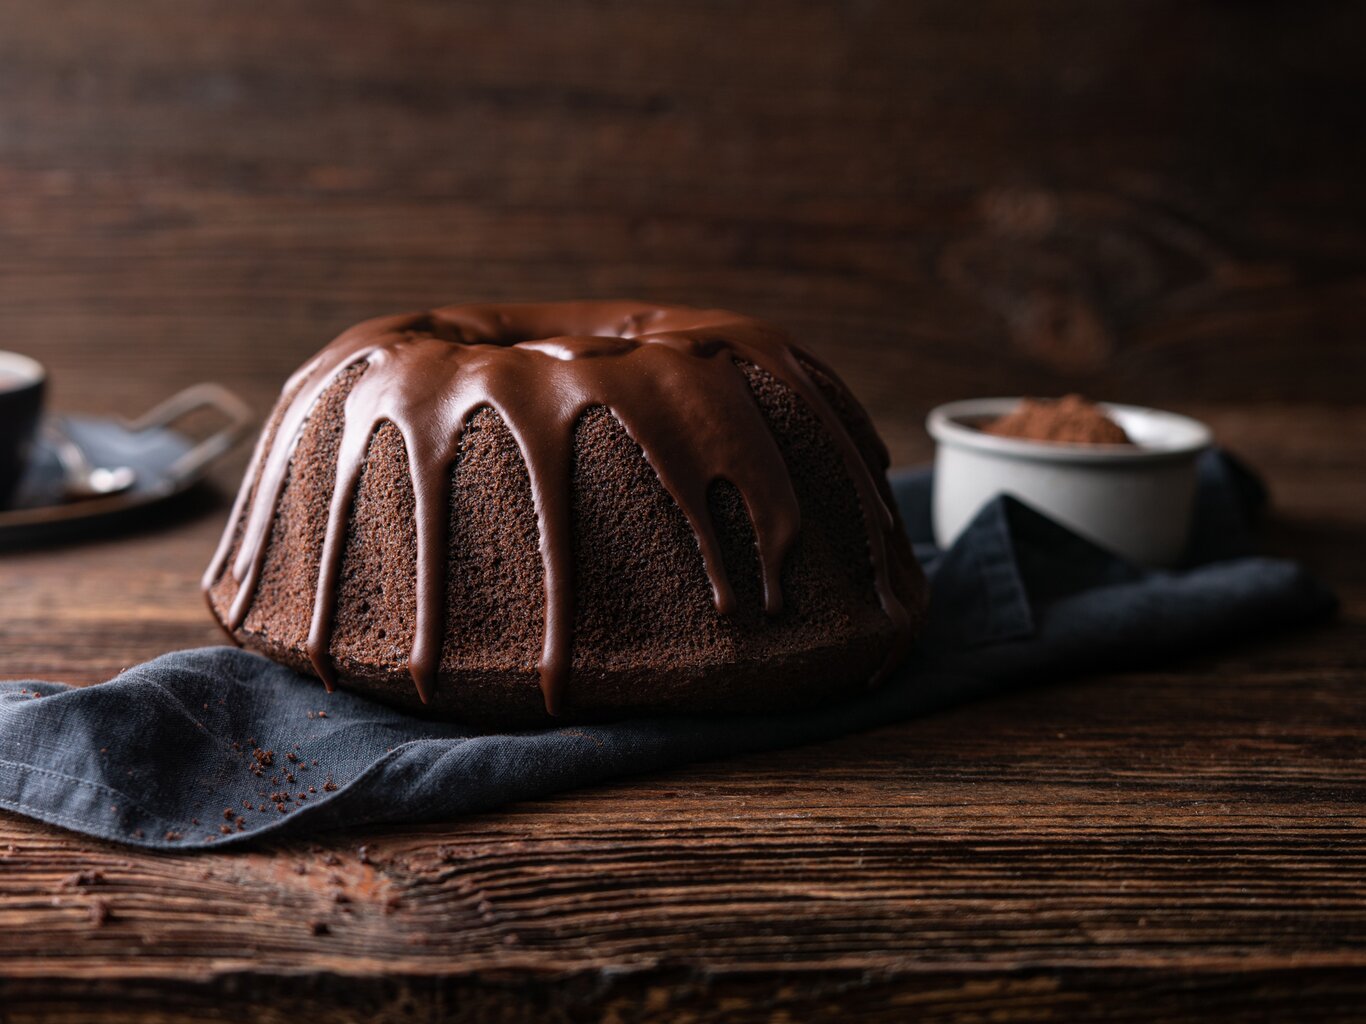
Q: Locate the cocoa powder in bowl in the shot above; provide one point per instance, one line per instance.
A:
(1071, 419)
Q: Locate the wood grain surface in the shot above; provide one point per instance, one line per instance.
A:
(1156, 202)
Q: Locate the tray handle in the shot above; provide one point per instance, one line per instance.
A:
(214, 397)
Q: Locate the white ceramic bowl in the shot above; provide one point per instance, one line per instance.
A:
(1132, 499)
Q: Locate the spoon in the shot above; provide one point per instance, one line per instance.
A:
(81, 479)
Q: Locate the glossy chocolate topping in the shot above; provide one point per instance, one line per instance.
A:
(669, 374)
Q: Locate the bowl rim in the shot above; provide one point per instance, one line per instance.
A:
(33, 372)
(944, 424)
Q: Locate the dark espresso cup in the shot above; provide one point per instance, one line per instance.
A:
(22, 383)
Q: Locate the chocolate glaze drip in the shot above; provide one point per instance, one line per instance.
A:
(668, 374)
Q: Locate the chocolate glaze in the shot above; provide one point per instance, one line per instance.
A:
(668, 374)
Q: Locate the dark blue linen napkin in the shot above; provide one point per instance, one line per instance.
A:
(215, 746)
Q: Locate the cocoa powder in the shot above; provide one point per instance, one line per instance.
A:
(1071, 419)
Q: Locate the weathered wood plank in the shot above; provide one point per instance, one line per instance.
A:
(1117, 824)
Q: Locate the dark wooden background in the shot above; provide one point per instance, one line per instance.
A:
(1159, 202)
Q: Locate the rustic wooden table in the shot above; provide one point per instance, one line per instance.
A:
(1159, 203)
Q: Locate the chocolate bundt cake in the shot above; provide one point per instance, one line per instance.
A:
(582, 509)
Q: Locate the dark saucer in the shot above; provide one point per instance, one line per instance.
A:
(167, 463)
